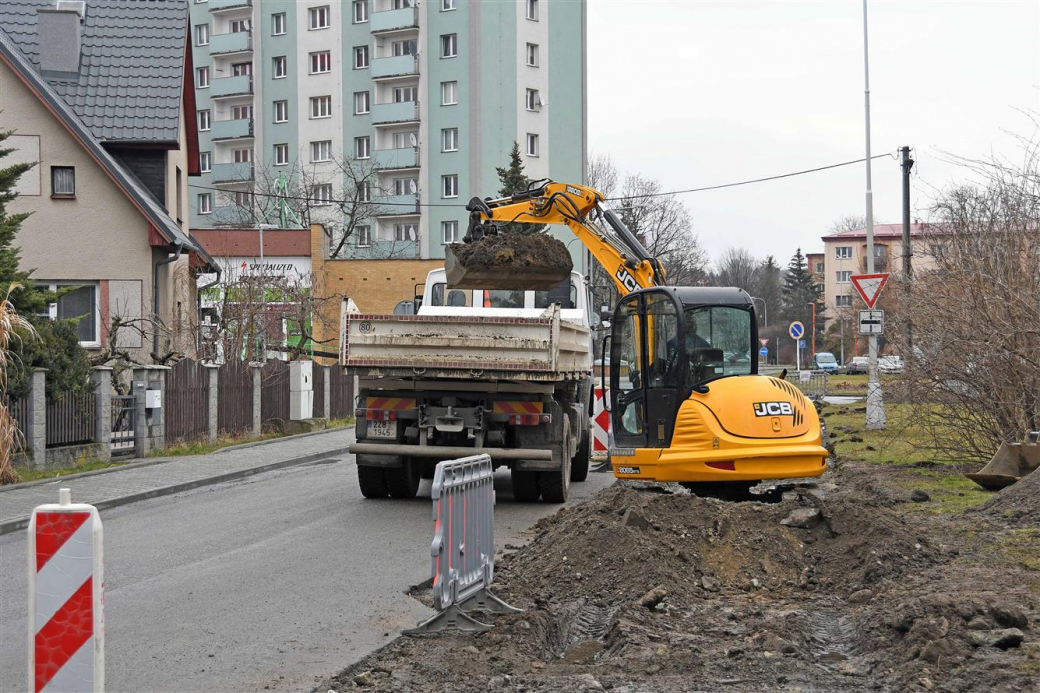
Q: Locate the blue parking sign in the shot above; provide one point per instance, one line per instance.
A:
(801, 343)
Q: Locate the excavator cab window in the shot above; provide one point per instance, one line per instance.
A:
(718, 343)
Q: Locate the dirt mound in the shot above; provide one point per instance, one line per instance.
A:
(509, 261)
(1019, 501)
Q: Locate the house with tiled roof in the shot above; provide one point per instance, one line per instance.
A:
(100, 95)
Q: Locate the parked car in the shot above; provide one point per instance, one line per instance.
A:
(825, 361)
(890, 364)
(857, 364)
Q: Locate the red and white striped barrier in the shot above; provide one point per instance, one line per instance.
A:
(600, 421)
(66, 598)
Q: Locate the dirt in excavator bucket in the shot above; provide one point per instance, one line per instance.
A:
(1011, 462)
(536, 262)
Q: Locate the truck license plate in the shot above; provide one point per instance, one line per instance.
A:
(382, 429)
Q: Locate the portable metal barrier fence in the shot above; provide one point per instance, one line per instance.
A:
(813, 384)
(463, 548)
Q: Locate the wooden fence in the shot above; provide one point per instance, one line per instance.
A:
(235, 398)
(341, 395)
(187, 402)
(319, 391)
(274, 393)
(71, 419)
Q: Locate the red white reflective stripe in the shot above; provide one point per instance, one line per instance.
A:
(66, 582)
(600, 421)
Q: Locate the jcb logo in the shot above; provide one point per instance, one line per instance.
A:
(773, 409)
(626, 279)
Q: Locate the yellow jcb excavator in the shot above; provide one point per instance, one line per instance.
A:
(686, 401)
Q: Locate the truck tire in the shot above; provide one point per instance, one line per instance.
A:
(403, 481)
(580, 463)
(556, 485)
(371, 481)
(525, 486)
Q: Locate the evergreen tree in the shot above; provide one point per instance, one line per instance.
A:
(769, 287)
(514, 180)
(799, 291)
(57, 349)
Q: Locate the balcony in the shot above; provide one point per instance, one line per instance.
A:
(393, 20)
(395, 205)
(227, 87)
(396, 66)
(226, 5)
(233, 173)
(403, 112)
(396, 158)
(237, 42)
(232, 215)
(231, 129)
(384, 250)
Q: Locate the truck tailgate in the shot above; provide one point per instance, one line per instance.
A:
(470, 347)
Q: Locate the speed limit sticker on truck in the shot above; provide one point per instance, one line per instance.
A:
(382, 429)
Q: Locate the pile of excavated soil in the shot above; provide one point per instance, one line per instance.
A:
(1018, 502)
(514, 251)
(644, 590)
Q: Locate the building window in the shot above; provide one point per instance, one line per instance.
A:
(202, 77)
(321, 107)
(406, 186)
(404, 140)
(534, 100)
(243, 198)
(205, 162)
(449, 45)
(844, 276)
(321, 194)
(450, 140)
(360, 57)
(362, 104)
(532, 54)
(818, 268)
(406, 94)
(447, 5)
(532, 144)
(205, 203)
(406, 232)
(362, 147)
(320, 17)
(242, 156)
(239, 69)
(321, 151)
(281, 111)
(202, 34)
(403, 4)
(364, 236)
(321, 62)
(281, 154)
(450, 185)
(843, 301)
(450, 231)
(278, 24)
(843, 252)
(204, 120)
(406, 47)
(281, 67)
(80, 302)
(63, 181)
(449, 93)
(360, 11)
(532, 10)
(243, 112)
(238, 26)
(364, 191)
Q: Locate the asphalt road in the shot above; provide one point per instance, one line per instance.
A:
(273, 581)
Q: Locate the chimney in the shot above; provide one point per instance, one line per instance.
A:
(59, 37)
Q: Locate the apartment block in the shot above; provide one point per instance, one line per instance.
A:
(426, 98)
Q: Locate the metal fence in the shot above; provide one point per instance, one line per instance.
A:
(19, 411)
(71, 419)
(187, 401)
(319, 391)
(124, 420)
(235, 400)
(463, 548)
(341, 393)
(813, 384)
(274, 392)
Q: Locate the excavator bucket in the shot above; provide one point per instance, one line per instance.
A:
(514, 261)
(1012, 462)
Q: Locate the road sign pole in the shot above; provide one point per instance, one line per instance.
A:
(798, 354)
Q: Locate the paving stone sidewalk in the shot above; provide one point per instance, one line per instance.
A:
(161, 476)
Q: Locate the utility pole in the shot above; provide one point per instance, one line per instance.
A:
(905, 164)
(875, 400)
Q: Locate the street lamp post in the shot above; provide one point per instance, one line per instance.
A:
(263, 293)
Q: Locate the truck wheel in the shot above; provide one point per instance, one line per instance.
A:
(580, 463)
(371, 481)
(556, 485)
(525, 486)
(402, 482)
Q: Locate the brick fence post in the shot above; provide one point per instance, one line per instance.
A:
(36, 427)
(137, 389)
(326, 392)
(101, 377)
(214, 403)
(257, 389)
(154, 420)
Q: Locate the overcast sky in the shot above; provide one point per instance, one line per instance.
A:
(699, 93)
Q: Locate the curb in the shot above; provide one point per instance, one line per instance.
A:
(147, 462)
(9, 526)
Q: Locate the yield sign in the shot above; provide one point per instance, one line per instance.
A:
(869, 286)
(764, 342)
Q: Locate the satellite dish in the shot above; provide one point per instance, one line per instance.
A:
(411, 233)
(412, 187)
(413, 139)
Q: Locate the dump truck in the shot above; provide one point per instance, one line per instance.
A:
(502, 372)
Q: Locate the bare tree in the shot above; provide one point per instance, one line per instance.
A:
(737, 267)
(601, 174)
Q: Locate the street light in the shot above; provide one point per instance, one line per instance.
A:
(263, 294)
